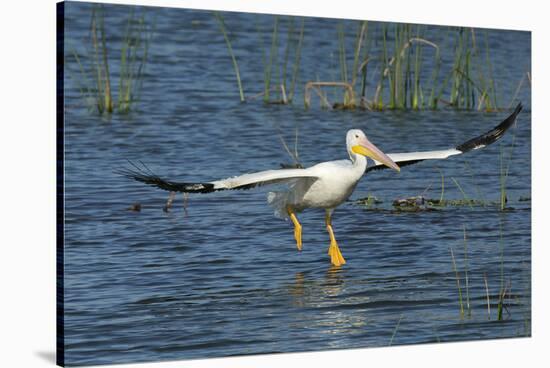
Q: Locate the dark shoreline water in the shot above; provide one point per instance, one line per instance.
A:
(226, 278)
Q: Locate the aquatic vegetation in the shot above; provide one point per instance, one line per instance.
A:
(525, 76)
(466, 272)
(294, 45)
(133, 59)
(459, 288)
(348, 78)
(461, 301)
(95, 78)
(405, 68)
(272, 55)
(505, 170)
(403, 72)
(466, 199)
(503, 288)
(395, 330)
(369, 201)
(349, 101)
(223, 29)
(280, 78)
(487, 295)
(296, 164)
(458, 202)
(424, 204)
(421, 203)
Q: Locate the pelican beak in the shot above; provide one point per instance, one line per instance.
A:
(366, 148)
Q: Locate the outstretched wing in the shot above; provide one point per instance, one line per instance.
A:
(143, 174)
(409, 158)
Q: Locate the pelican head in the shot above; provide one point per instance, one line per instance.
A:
(358, 144)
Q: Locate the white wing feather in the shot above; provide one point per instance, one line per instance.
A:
(262, 178)
(423, 155)
(412, 157)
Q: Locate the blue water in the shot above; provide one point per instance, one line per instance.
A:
(223, 277)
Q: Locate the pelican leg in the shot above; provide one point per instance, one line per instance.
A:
(169, 202)
(297, 227)
(336, 257)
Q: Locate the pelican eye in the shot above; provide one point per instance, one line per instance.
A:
(357, 136)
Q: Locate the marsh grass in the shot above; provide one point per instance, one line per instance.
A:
(292, 153)
(505, 163)
(504, 296)
(400, 82)
(348, 76)
(513, 100)
(503, 287)
(467, 280)
(280, 73)
(349, 102)
(297, 48)
(224, 31)
(95, 66)
(470, 202)
(133, 59)
(402, 69)
(466, 199)
(408, 73)
(459, 288)
(395, 330)
(370, 201)
(470, 172)
(271, 59)
(487, 296)
(103, 80)
(464, 304)
(442, 195)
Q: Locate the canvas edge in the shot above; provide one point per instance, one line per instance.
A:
(60, 190)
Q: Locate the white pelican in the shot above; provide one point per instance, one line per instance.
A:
(325, 185)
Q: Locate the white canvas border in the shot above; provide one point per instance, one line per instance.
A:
(28, 182)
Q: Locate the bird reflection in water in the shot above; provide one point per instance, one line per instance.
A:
(327, 295)
(308, 292)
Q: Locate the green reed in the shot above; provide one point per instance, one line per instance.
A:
(466, 272)
(133, 59)
(459, 288)
(404, 68)
(342, 53)
(395, 330)
(407, 69)
(487, 296)
(296, 65)
(94, 67)
(472, 83)
(280, 74)
(466, 199)
(272, 57)
(505, 163)
(100, 62)
(502, 291)
(465, 306)
(469, 85)
(223, 29)
(441, 197)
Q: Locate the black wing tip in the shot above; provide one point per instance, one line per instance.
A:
(518, 108)
(144, 175)
(493, 135)
(483, 140)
